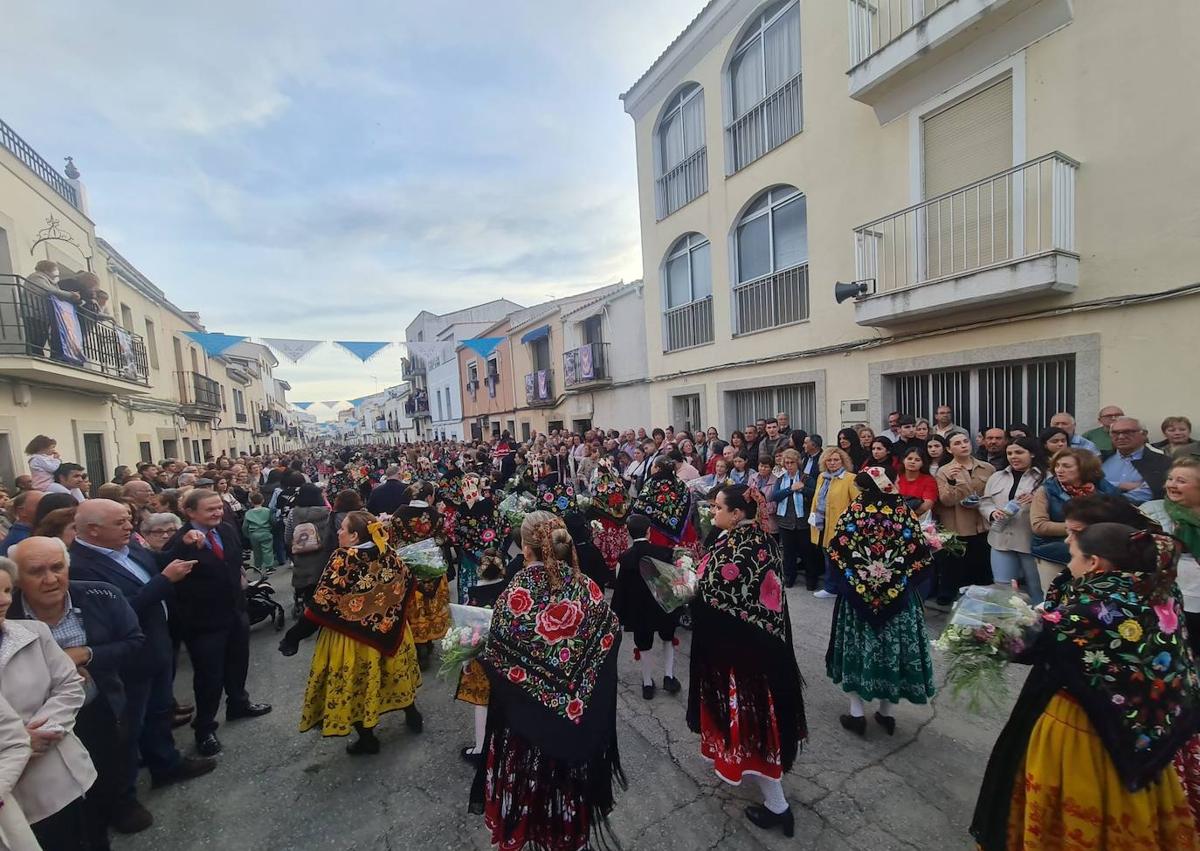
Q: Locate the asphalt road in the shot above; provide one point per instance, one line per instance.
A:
(279, 789)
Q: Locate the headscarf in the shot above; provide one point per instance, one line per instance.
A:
(363, 594)
(667, 502)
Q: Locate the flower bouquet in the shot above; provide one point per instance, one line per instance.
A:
(583, 502)
(988, 628)
(465, 639)
(939, 540)
(513, 508)
(428, 565)
(704, 519)
(672, 584)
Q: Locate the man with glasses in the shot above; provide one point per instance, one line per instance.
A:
(1099, 435)
(1137, 470)
(1066, 422)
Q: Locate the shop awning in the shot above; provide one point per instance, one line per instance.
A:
(536, 334)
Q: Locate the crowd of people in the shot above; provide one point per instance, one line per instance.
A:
(104, 585)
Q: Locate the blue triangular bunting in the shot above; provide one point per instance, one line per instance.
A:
(304, 406)
(213, 343)
(363, 351)
(483, 346)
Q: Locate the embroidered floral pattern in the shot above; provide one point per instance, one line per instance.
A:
(362, 594)
(745, 581)
(668, 504)
(557, 498)
(609, 497)
(475, 526)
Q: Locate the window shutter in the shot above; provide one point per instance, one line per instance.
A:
(970, 140)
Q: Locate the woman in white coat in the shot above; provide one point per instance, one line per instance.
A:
(43, 687)
(1005, 504)
(15, 751)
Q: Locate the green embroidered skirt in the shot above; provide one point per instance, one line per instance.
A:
(893, 663)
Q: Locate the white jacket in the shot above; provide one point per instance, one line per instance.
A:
(1014, 534)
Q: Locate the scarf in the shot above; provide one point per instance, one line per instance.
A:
(475, 525)
(877, 546)
(1119, 646)
(556, 496)
(785, 483)
(551, 644)
(363, 593)
(1073, 491)
(1187, 525)
(822, 496)
(667, 502)
(413, 523)
(609, 497)
(740, 576)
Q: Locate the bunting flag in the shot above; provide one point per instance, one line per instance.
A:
(432, 353)
(213, 343)
(332, 404)
(293, 350)
(363, 351)
(483, 346)
(304, 406)
(358, 401)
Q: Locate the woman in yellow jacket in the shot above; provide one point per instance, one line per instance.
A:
(834, 492)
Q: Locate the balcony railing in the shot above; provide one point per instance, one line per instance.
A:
(688, 325)
(1012, 216)
(411, 366)
(199, 395)
(777, 118)
(771, 301)
(539, 388)
(586, 365)
(240, 417)
(417, 407)
(30, 321)
(32, 160)
(682, 184)
(874, 24)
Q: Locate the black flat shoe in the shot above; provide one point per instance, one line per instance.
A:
(247, 710)
(887, 722)
(289, 648)
(671, 685)
(760, 816)
(472, 758)
(363, 746)
(208, 744)
(413, 719)
(854, 724)
(648, 691)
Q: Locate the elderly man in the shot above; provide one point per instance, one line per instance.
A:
(1066, 422)
(389, 496)
(93, 625)
(784, 422)
(211, 609)
(943, 423)
(892, 432)
(1099, 435)
(103, 552)
(1137, 470)
(24, 509)
(992, 449)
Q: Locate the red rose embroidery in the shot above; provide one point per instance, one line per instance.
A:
(516, 674)
(729, 572)
(575, 710)
(519, 601)
(606, 642)
(564, 655)
(594, 590)
(560, 621)
(488, 536)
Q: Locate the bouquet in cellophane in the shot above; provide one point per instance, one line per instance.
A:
(424, 559)
(672, 584)
(513, 508)
(465, 640)
(704, 519)
(988, 628)
(938, 539)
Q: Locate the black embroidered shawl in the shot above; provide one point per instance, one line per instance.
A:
(667, 502)
(363, 594)
(610, 499)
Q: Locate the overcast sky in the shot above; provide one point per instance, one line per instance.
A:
(321, 170)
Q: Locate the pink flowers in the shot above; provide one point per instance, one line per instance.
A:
(564, 655)
(761, 555)
(575, 710)
(1168, 620)
(1052, 616)
(729, 571)
(770, 594)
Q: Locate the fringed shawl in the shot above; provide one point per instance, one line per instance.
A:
(363, 594)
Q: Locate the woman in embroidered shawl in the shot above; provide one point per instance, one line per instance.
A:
(550, 752)
(555, 491)
(475, 527)
(429, 609)
(1085, 760)
(666, 500)
(744, 697)
(878, 648)
(364, 663)
(610, 505)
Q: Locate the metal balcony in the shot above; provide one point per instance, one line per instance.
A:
(411, 366)
(771, 301)
(688, 325)
(586, 365)
(682, 184)
(539, 388)
(765, 126)
(200, 396)
(32, 160)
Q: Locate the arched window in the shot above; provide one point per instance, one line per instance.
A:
(687, 291)
(771, 261)
(764, 85)
(680, 152)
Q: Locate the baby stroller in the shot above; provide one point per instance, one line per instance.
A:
(261, 605)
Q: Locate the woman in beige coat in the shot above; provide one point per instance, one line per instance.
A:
(961, 480)
(15, 751)
(44, 688)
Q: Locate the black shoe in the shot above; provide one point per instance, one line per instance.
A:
(187, 768)
(288, 648)
(208, 744)
(764, 818)
(648, 691)
(363, 746)
(182, 708)
(472, 758)
(671, 685)
(131, 817)
(181, 719)
(413, 719)
(887, 722)
(855, 724)
(246, 710)
(811, 586)
(790, 583)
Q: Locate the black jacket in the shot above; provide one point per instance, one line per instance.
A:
(209, 598)
(113, 635)
(1154, 467)
(388, 497)
(146, 600)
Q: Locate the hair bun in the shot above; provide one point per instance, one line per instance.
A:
(560, 540)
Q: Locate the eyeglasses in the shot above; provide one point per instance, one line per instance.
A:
(1125, 432)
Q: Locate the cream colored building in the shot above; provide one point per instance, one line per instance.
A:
(1010, 181)
(144, 391)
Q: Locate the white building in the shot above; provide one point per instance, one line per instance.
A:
(445, 399)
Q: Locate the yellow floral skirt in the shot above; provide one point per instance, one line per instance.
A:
(1072, 798)
(350, 683)
(429, 615)
(473, 685)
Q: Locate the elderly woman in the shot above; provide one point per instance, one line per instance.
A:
(158, 529)
(791, 517)
(1177, 442)
(1075, 473)
(96, 627)
(834, 492)
(44, 687)
(1179, 514)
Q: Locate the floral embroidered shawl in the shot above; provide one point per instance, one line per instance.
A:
(556, 496)
(876, 548)
(740, 576)
(551, 644)
(610, 499)
(363, 594)
(475, 525)
(413, 523)
(667, 501)
(1118, 642)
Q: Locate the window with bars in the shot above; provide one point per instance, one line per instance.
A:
(798, 401)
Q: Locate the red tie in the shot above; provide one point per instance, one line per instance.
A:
(215, 543)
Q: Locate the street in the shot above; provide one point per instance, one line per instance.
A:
(278, 789)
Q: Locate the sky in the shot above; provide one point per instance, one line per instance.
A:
(326, 171)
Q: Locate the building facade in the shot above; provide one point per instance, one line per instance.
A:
(489, 391)
(1010, 247)
(446, 400)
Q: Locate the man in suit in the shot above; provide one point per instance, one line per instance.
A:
(390, 495)
(211, 617)
(103, 552)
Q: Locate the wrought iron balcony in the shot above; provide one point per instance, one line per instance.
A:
(240, 417)
(682, 184)
(539, 388)
(199, 395)
(411, 366)
(774, 300)
(586, 365)
(417, 407)
(32, 160)
(688, 325)
(51, 340)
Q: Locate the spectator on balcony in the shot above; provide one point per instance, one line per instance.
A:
(69, 478)
(43, 462)
(1099, 435)
(24, 511)
(1137, 470)
(1178, 442)
(943, 423)
(1066, 422)
(991, 448)
(39, 322)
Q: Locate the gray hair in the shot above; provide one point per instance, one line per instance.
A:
(161, 519)
(16, 551)
(7, 565)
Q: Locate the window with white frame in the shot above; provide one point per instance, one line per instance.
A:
(680, 151)
(687, 291)
(771, 261)
(764, 85)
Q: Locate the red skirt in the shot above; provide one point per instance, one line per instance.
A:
(690, 537)
(1187, 763)
(733, 760)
